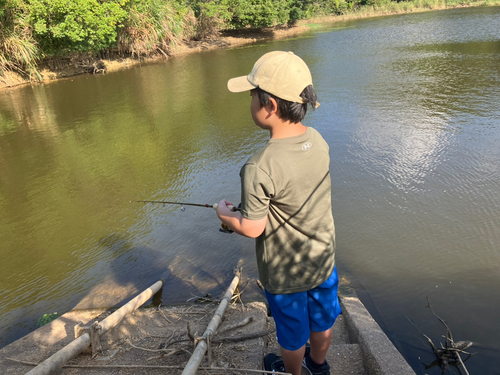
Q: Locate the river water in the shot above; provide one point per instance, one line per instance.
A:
(410, 106)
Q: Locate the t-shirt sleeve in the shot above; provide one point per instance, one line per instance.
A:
(257, 188)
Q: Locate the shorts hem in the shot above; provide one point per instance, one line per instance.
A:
(292, 348)
(322, 329)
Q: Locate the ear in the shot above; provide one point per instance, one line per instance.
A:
(273, 106)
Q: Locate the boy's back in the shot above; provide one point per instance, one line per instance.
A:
(288, 181)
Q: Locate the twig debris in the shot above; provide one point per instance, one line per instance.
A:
(448, 353)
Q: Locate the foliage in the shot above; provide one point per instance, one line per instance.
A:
(46, 318)
(376, 3)
(18, 50)
(310, 8)
(259, 13)
(34, 29)
(62, 26)
(154, 26)
(234, 14)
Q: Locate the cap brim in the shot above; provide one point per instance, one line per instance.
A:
(240, 84)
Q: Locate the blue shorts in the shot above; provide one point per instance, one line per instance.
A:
(297, 314)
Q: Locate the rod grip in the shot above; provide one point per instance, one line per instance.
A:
(230, 206)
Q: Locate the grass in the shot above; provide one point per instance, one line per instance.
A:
(155, 27)
(18, 53)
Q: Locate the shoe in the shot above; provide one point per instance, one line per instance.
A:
(324, 369)
(273, 363)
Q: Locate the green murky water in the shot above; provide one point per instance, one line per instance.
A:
(410, 106)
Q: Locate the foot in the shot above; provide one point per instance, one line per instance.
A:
(313, 367)
(273, 363)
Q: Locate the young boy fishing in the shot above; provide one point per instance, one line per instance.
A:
(286, 206)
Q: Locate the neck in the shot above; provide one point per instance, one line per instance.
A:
(287, 129)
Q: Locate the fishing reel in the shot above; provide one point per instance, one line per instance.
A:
(223, 227)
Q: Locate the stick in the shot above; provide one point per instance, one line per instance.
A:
(164, 317)
(259, 284)
(243, 338)
(449, 337)
(152, 367)
(190, 334)
(244, 322)
(152, 350)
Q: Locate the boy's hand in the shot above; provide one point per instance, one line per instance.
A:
(237, 223)
(222, 209)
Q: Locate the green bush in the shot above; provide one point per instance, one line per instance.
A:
(46, 318)
(308, 8)
(63, 26)
(3, 5)
(376, 3)
(259, 13)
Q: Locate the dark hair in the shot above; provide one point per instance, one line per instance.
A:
(292, 111)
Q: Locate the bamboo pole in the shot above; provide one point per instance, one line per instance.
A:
(202, 344)
(57, 360)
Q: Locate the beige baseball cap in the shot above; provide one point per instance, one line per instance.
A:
(280, 73)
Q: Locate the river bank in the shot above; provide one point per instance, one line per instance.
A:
(154, 340)
(68, 67)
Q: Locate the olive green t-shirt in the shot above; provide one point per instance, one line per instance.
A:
(288, 181)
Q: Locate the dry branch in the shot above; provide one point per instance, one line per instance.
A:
(242, 338)
(151, 367)
(171, 351)
(449, 353)
(230, 327)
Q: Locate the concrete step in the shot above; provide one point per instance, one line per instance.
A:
(346, 359)
(344, 356)
(340, 333)
(380, 357)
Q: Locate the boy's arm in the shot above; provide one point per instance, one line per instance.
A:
(239, 224)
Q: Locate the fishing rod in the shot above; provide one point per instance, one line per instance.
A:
(224, 228)
(214, 206)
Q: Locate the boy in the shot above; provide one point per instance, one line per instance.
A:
(286, 206)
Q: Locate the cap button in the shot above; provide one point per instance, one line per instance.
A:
(290, 52)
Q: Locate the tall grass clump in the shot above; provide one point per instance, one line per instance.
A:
(212, 16)
(155, 26)
(18, 50)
